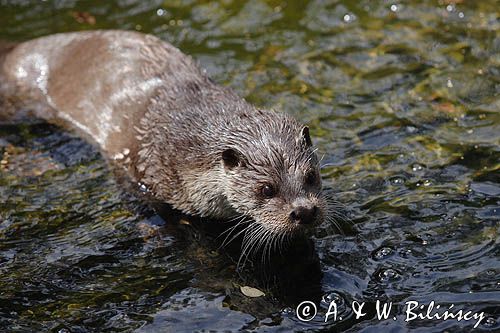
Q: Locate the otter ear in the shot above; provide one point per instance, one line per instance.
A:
(304, 134)
(232, 158)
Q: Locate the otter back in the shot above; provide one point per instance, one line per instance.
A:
(98, 83)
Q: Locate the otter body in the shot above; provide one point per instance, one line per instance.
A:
(154, 112)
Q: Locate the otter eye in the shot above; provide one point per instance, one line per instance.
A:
(311, 178)
(267, 191)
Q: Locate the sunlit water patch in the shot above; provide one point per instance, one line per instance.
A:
(402, 99)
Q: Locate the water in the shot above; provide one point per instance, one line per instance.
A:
(402, 99)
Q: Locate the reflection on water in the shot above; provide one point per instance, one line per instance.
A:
(402, 99)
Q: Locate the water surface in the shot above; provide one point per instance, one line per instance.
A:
(402, 99)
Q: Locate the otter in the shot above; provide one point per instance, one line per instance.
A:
(153, 112)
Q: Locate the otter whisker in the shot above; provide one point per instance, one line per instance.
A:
(311, 155)
(279, 242)
(235, 226)
(226, 242)
(267, 246)
(233, 218)
(230, 230)
(333, 204)
(275, 241)
(336, 219)
(249, 240)
(264, 243)
(261, 242)
(326, 165)
(321, 159)
(253, 244)
(334, 223)
(270, 246)
(340, 217)
(284, 241)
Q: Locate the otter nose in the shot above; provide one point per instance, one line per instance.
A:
(304, 215)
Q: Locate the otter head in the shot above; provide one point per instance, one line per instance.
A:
(275, 180)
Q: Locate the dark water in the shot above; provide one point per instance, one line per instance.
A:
(403, 101)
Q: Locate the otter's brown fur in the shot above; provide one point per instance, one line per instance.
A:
(151, 109)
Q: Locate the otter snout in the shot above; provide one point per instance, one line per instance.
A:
(303, 215)
(304, 212)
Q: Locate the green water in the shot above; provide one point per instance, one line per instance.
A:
(402, 99)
